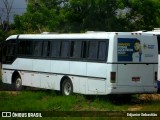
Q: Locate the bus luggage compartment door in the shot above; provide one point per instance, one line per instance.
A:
(135, 74)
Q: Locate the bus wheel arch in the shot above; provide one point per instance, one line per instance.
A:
(66, 86)
(17, 81)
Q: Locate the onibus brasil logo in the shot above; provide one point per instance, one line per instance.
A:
(21, 114)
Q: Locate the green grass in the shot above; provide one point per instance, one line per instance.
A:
(35, 101)
(51, 101)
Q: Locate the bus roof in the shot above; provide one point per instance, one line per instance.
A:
(87, 35)
(154, 32)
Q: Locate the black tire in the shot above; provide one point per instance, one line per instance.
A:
(17, 83)
(67, 87)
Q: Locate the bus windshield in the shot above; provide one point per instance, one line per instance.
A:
(8, 51)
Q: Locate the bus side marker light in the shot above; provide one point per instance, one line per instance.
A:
(113, 77)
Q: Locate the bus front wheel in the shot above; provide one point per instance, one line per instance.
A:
(67, 87)
(18, 83)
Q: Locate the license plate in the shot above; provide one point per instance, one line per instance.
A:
(136, 79)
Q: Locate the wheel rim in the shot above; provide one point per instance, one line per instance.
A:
(67, 88)
(18, 83)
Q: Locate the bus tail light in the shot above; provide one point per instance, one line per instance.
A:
(113, 77)
(155, 76)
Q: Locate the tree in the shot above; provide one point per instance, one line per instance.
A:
(69, 16)
(39, 17)
(1, 19)
(144, 14)
(99, 15)
(7, 9)
(92, 15)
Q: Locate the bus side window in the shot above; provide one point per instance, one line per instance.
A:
(65, 49)
(25, 47)
(84, 49)
(37, 48)
(93, 50)
(75, 50)
(102, 50)
(46, 49)
(55, 48)
(28, 47)
(21, 46)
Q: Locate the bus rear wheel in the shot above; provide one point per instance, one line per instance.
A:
(67, 87)
(18, 83)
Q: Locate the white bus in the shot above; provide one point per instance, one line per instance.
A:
(92, 63)
(156, 32)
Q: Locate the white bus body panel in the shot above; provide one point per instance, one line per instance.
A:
(78, 68)
(97, 70)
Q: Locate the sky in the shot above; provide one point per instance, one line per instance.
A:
(18, 8)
